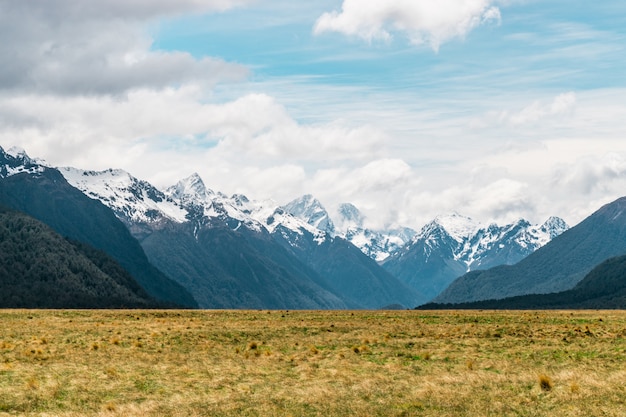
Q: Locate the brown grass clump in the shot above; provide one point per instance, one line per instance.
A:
(545, 383)
(110, 407)
(32, 383)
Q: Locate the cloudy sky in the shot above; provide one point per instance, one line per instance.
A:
(496, 109)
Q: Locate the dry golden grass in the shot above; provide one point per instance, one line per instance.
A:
(312, 363)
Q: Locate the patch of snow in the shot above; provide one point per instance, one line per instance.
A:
(124, 194)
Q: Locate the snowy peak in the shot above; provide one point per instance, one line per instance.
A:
(189, 200)
(131, 199)
(191, 188)
(476, 246)
(309, 209)
(16, 161)
(377, 244)
(459, 228)
(554, 226)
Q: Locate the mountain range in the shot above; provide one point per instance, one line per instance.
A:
(558, 266)
(452, 245)
(187, 245)
(231, 252)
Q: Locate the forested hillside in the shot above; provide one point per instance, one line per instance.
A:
(41, 269)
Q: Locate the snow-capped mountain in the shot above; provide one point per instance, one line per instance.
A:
(349, 225)
(309, 209)
(15, 161)
(131, 199)
(452, 245)
(479, 246)
(43, 193)
(377, 244)
(233, 252)
(286, 251)
(556, 267)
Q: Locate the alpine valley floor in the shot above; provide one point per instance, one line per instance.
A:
(312, 363)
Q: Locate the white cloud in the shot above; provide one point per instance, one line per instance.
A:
(591, 174)
(430, 22)
(562, 104)
(253, 126)
(98, 47)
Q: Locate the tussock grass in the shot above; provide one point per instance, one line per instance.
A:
(312, 363)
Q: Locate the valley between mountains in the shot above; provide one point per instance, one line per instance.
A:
(190, 246)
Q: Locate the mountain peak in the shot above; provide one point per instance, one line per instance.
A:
(457, 226)
(190, 188)
(554, 226)
(309, 209)
(16, 161)
(17, 152)
(127, 196)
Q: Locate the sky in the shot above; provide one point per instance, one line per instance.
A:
(409, 109)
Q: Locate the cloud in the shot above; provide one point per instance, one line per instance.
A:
(562, 104)
(254, 126)
(98, 47)
(591, 174)
(429, 22)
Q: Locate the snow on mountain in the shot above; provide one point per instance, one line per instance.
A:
(130, 198)
(349, 217)
(460, 228)
(139, 201)
(188, 200)
(377, 244)
(190, 189)
(200, 201)
(476, 244)
(16, 161)
(309, 209)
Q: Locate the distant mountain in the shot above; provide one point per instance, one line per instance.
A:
(377, 244)
(452, 245)
(44, 194)
(602, 288)
(308, 208)
(351, 274)
(231, 252)
(40, 269)
(349, 225)
(207, 243)
(16, 161)
(557, 266)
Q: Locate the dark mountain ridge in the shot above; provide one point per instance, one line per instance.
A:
(602, 288)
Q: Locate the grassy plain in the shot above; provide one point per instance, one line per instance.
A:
(312, 363)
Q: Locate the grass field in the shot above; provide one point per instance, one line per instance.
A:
(312, 363)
